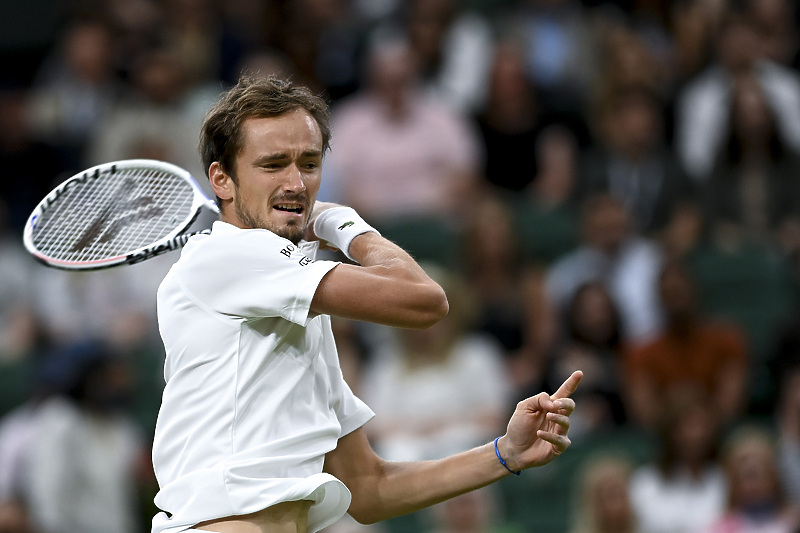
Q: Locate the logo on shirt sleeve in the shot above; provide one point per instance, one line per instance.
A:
(290, 249)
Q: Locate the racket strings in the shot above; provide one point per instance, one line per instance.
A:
(113, 215)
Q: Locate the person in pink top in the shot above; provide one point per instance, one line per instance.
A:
(400, 152)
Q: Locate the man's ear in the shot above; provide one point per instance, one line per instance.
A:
(221, 183)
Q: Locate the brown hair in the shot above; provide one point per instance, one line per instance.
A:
(221, 133)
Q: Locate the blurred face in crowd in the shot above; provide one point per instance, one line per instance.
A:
(753, 474)
(594, 314)
(427, 25)
(694, 434)
(557, 156)
(510, 95)
(677, 292)
(634, 125)
(606, 495)
(612, 501)
(278, 173)
(88, 51)
(751, 115)
(606, 224)
(159, 76)
(393, 69)
(738, 45)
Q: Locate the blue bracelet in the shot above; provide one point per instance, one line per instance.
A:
(502, 461)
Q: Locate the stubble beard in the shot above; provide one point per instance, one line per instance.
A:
(292, 231)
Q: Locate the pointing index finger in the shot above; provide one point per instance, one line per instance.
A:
(569, 386)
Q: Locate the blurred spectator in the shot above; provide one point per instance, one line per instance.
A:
(776, 23)
(494, 269)
(547, 216)
(159, 117)
(703, 104)
(693, 353)
(14, 518)
(191, 32)
(628, 60)
(440, 389)
(245, 28)
(752, 192)
(682, 490)
(787, 415)
(75, 88)
(20, 331)
(610, 252)
(652, 23)
(17, 436)
(97, 304)
(560, 47)
(693, 27)
(756, 500)
(510, 304)
(685, 233)
(136, 25)
(323, 40)
(632, 162)
(473, 512)
(33, 165)
(398, 153)
(84, 457)
(454, 47)
(748, 284)
(591, 341)
(509, 121)
(264, 62)
(603, 503)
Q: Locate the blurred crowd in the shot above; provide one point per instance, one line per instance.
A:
(605, 185)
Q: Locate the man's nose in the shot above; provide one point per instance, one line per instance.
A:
(294, 179)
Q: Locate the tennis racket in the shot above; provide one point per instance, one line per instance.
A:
(116, 213)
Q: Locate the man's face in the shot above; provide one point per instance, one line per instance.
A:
(278, 172)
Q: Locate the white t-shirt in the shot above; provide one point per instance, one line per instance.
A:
(255, 396)
(682, 504)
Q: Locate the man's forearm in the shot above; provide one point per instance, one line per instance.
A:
(407, 487)
(536, 434)
(387, 287)
(371, 249)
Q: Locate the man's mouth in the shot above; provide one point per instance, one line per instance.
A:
(289, 208)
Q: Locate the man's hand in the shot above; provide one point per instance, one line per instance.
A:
(537, 431)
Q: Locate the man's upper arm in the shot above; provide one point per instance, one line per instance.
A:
(254, 273)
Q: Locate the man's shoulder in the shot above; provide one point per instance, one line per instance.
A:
(227, 243)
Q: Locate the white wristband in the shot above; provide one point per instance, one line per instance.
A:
(339, 226)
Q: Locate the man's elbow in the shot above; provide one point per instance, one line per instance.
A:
(364, 517)
(436, 308)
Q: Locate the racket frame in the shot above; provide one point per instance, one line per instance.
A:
(174, 240)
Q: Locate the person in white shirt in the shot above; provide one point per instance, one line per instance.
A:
(258, 431)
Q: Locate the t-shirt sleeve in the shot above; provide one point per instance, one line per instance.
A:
(253, 274)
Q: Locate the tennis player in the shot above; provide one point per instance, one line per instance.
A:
(258, 432)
